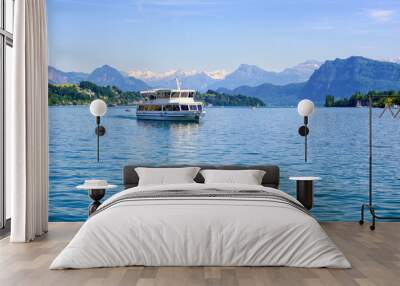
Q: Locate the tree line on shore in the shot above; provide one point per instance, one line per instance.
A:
(84, 92)
(379, 99)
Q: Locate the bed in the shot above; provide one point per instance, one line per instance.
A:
(198, 224)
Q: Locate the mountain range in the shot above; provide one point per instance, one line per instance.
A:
(245, 74)
(339, 77)
(57, 76)
(103, 76)
(250, 75)
(200, 81)
(342, 77)
(273, 95)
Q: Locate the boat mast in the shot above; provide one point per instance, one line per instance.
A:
(178, 84)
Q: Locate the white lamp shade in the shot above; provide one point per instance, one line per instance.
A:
(98, 107)
(305, 107)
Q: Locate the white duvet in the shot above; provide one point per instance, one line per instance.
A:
(200, 231)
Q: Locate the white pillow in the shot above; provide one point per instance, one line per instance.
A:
(248, 177)
(166, 176)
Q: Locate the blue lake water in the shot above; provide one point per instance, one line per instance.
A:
(338, 152)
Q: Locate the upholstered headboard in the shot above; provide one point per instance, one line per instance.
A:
(271, 177)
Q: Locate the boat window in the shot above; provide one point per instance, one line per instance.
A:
(199, 107)
(140, 108)
(175, 94)
(184, 107)
(191, 94)
(150, 108)
(168, 108)
(193, 107)
(175, 108)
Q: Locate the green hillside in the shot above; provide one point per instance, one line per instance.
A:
(343, 78)
(85, 92)
(222, 99)
(379, 99)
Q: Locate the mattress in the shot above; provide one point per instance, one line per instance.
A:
(201, 225)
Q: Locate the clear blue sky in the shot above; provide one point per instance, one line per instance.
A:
(161, 35)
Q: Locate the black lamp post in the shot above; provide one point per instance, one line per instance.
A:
(305, 108)
(98, 108)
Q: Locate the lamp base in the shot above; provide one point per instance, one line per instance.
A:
(303, 130)
(100, 130)
(96, 195)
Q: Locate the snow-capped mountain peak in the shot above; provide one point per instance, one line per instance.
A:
(217, 74)
(245, 74)
(395, 60)
(307, 66)
(155, 76)
(150, 75)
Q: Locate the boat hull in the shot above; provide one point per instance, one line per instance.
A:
(170, 116)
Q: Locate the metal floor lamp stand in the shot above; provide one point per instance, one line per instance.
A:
(370, 205)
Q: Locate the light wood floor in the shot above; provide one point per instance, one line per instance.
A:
(375, 257)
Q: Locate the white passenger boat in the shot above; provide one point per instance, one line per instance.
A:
(170, 104)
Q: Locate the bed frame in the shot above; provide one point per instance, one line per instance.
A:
(270, 179)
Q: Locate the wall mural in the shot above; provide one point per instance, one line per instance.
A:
(232, 74)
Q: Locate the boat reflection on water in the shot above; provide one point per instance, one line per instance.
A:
(169, 124)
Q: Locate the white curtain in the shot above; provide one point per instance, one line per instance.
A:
(26, 124)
